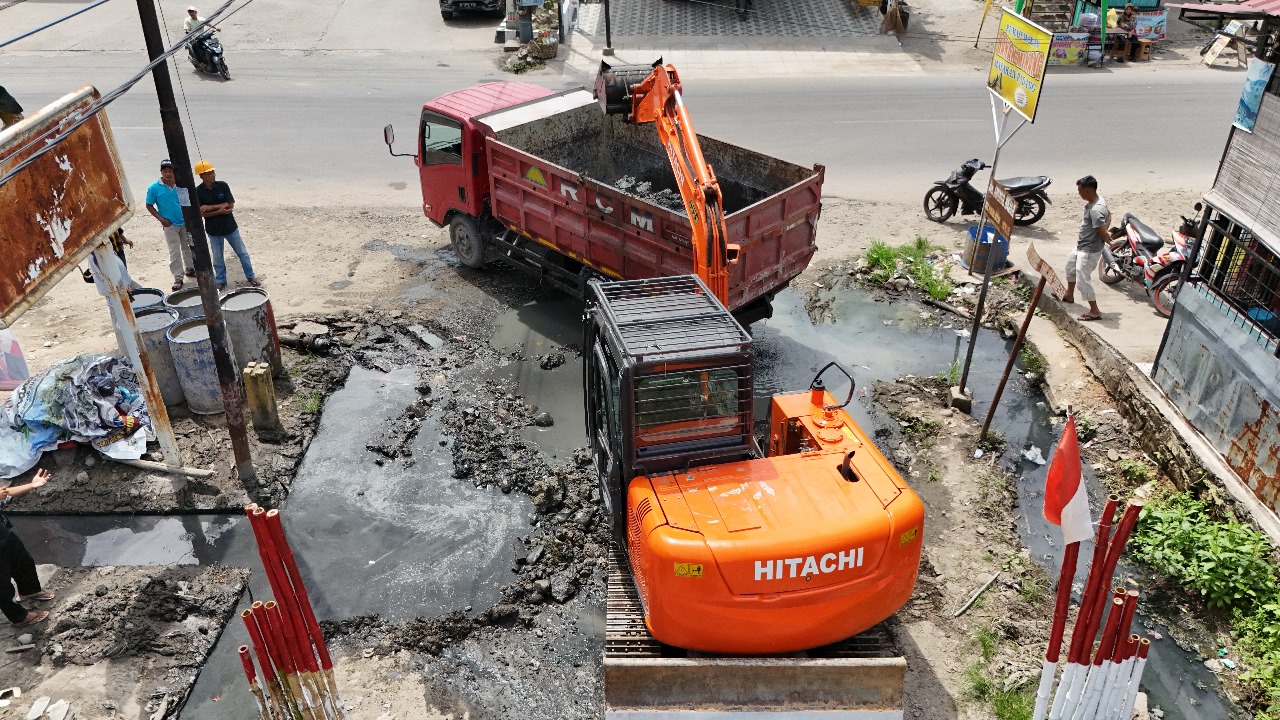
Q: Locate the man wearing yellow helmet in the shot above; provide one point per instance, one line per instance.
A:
(216, 204)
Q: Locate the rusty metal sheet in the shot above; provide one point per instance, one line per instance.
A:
(62, 206)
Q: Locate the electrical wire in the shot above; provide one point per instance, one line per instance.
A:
(182, 90)
(43, 138)
(48, 25)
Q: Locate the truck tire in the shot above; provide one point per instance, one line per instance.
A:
(467, 242)
(446, 14)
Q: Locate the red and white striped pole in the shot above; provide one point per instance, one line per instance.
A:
(276, 695)
(252, 677)
(1131, 693)
(1066, 575)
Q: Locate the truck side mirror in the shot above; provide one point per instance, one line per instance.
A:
(389, 136)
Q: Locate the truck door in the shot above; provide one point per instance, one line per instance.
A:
(440, 168)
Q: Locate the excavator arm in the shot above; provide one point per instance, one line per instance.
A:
(652, 95)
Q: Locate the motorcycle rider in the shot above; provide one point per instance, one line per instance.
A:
(192, 22)
(1092, 237)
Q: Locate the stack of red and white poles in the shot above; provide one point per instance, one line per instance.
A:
(1098, 683)
(295, 666)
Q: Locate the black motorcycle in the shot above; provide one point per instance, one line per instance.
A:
(205, 53)
(955, 193)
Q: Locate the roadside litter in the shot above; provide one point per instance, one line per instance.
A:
(92, 399)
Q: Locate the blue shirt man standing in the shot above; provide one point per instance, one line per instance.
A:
(164, 206)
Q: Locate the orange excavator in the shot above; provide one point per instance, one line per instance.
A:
(766, 556)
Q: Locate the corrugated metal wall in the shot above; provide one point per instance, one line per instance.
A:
(1228, 387)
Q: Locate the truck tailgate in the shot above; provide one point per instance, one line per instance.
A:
(552, 179)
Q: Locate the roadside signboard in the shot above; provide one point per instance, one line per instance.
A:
(1046, 271)
(1225, 38)
(1017, 66)
(1000, 209)
(62, 205)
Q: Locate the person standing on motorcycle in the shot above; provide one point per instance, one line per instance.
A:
(1093, 235)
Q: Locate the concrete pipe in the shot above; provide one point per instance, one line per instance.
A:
(193, 362)
(252, 327)
(153, 325)
(185, 302)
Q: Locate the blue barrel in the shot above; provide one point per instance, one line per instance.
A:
(153, 325)
(144, 298)
(192, 354)
(185, 302)
(976, 254)
(252, 327)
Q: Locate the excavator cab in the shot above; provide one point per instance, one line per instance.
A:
(732, 549)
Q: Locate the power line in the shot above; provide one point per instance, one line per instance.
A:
(181, 88)
(48, 25)
(50, 143)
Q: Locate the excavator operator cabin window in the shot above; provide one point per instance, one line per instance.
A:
(686, 405)
(441, 140)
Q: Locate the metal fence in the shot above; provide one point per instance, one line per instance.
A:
(1241, 276)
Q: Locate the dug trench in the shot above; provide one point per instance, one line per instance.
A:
(533, 648)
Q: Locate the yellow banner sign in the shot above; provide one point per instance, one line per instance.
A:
(1017, 66)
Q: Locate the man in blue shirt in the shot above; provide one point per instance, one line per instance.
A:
(163, 204)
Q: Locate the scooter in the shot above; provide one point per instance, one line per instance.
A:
(1138, 253)
(955, 193)
(205, 53)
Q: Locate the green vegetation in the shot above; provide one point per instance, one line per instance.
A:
(1230, 565)
(1135, 471)
(1032, 361)
(1005, 704)
(929, 276)
(1085, 429)
(313, 403)
(992, 441)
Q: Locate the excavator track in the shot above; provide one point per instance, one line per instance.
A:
(626, 635)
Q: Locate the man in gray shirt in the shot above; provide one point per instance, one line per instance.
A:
(1093, 234)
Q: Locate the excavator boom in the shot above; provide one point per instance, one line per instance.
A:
(652, 95)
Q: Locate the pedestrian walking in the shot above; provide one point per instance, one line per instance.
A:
(162, 203)
(17, 565)
(1089, 243)
(216, 206)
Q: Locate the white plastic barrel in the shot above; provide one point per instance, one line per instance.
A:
(252, 327)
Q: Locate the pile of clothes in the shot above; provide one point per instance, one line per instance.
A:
(93, 399)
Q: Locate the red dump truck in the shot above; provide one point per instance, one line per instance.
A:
(548, 183)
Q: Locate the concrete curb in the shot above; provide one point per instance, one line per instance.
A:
(1161, 430)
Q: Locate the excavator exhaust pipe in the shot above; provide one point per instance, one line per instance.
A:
(613, 85)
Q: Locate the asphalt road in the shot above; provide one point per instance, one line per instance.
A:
(304, 128)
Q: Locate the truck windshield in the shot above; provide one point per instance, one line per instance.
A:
(441, 140)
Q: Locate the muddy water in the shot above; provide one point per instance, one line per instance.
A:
(402, 541)
(873, 341)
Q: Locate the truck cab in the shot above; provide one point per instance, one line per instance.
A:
(451, 158)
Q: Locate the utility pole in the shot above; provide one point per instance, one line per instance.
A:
(175, 139)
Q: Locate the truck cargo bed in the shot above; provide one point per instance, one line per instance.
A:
(860, 678)
(554, 164)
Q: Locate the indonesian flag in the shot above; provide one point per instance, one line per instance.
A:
(1065, 501)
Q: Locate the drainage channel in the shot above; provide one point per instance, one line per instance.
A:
(874, 341)
(401, 541)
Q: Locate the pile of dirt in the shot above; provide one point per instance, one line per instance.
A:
(668, 198)
(125, 641)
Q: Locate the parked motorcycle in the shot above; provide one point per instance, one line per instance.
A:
(955, 193)
(1138, 253)
(205, 53)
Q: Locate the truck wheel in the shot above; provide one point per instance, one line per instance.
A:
(467, 242)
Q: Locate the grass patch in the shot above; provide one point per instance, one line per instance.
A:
(882, 260)
(1013, 705)
(992, 441)
(1135, 471)
(1230, 565)
(1086, 430)
(988, 641)
(1032, 361)
(313, 402)
(979, 686)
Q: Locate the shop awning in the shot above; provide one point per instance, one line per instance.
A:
(1246, 9)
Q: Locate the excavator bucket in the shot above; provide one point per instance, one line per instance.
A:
(613, 85)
